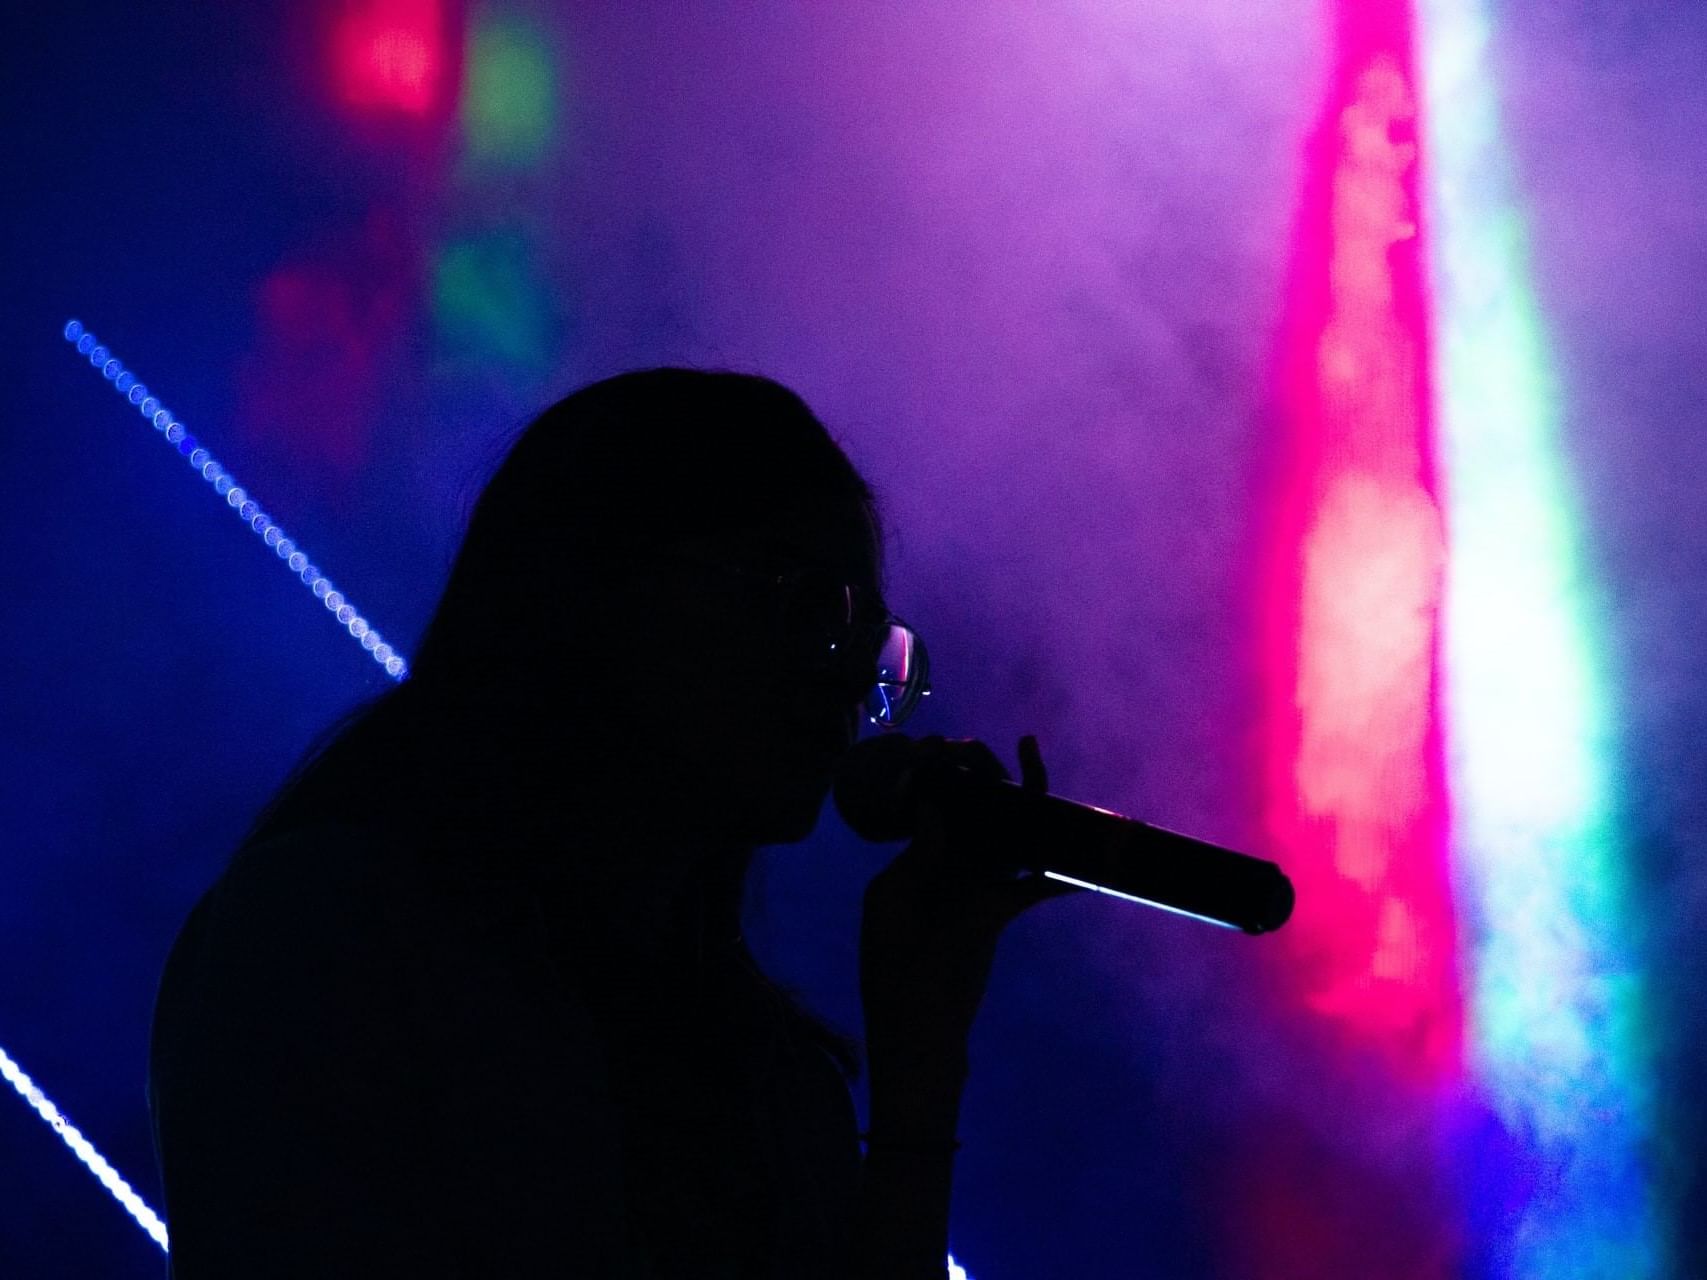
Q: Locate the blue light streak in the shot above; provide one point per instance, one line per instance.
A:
(237, 498)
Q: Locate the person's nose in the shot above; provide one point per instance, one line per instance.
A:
(853, 672)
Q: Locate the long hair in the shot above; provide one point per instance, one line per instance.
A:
(602, 476)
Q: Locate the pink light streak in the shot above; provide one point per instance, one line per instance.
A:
(1346, 1181)
(1355, 795)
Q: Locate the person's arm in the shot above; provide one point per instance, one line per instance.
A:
(901, 1220)
(928, 938)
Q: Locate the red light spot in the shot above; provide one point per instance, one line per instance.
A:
(389, 55)
(1309, 1206)
(312, 387)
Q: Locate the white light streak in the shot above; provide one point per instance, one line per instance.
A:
(1128, 897)
(81, 1147)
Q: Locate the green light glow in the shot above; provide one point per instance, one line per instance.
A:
(487, 300)
(1556, 999)
(509, 96)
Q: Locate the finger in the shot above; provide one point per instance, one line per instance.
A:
(1033, 775)
(969, 754)
(976, 756)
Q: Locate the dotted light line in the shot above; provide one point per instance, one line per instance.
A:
(247, 509)
(84, 1150)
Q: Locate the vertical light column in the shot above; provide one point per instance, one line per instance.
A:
(1344, 1179)
(1354, 791)
(1556, 999)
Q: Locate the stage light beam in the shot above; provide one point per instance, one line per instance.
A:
(1558, 999)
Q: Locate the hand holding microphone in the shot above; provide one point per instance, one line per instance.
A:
(982, 850)
(888, 787)
(927, 940)
(932, 916)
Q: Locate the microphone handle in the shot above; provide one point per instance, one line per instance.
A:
(1114, 854)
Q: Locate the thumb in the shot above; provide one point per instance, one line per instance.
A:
(1033, 775)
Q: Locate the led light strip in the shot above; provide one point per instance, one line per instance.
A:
(238, 499)
(84, 1150)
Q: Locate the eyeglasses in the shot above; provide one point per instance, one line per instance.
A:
(834, 623)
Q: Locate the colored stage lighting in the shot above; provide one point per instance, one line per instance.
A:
(390, 55)
(510, 94)
(1559, 1007)
(1358, 560)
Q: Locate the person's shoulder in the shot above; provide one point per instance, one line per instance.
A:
(358, 934)
(281, 903)
(313, 863)
(350, 1027)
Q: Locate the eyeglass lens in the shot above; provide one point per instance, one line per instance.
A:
(902, 674)
(819, 604)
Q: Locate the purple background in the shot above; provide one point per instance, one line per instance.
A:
(1025, 259)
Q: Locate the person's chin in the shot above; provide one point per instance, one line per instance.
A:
(794, 817)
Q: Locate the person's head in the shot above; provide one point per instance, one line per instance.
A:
(644, 606)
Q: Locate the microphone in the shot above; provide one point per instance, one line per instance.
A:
(881, 782)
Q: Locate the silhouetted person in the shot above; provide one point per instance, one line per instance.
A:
(473, 1000)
